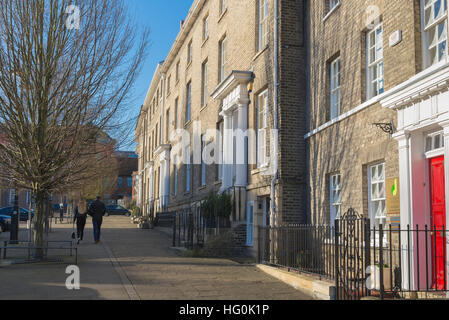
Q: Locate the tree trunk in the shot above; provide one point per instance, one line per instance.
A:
(39, 224)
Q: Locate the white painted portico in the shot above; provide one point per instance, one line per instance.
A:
(233, 92)
(164, 183)
(149, 174)
(422, 105)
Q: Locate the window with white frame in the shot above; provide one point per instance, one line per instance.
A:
(375, 64)
(435, 28)
(332, 4)
(188, 168)
(262, 126)
(222, 6)
(222, 62)
(167, 125)
(263, 24)
(335, 97)
(168, 85)
(335, 198)
(28, 197)
(204, 83)
(188, 101)
(377, 195)
(189, 52)
(175, 125)
(12, 194)
(434, 141)
(205, 28)
(203, 163)
(176, 176)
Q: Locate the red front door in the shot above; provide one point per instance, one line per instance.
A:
(438, 221)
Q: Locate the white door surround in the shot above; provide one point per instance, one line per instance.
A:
(422, 105)
(233, 92)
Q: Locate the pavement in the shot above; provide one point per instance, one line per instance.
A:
(134, 264)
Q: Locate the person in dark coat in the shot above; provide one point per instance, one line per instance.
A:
(80, 219)
(61, 212)
(97, 210)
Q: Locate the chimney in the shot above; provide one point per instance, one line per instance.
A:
(181, 23)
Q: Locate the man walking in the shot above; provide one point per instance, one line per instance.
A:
(97, 210)
(61, 212)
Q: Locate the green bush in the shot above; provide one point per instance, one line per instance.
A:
(217, 205)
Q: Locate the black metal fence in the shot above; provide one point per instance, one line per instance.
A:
(361, 259)
(305, 248)
(189, 229)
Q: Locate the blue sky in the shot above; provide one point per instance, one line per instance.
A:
(162, 17)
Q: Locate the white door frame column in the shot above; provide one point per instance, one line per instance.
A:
(164, 179)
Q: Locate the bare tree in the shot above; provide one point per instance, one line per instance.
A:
(67, 68)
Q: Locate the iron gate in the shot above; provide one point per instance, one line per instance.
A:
(352, 256)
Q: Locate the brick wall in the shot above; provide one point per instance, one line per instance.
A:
(351, 145)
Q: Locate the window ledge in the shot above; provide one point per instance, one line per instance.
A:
(332, 11)
(204, 41)
(346, 115)
(187, 123)
(202, 188)
(188, 65)
(218, 182)
(203, 107)
(222, 15)
(258, 54)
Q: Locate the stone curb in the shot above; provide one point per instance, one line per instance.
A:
(320, 290)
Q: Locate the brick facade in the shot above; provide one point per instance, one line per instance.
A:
(239, 25)
(350, 143)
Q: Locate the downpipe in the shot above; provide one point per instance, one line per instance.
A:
(275, 115)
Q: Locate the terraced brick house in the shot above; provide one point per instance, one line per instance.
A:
(220, 75)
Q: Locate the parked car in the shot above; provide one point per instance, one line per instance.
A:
(5, 223)
(7, 211)
(117, 210)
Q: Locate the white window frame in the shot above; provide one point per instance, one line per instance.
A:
(188, 168)
(223, 6)
(335, 198)
(12, 194)
(378, 199)
(189, 101)
(333, 4)
(190, 52)
(434, 142)
(206, 28)
(204, 83)
(176, 176)
(222, 71)
(375, 64)
(335, 88)
(203, 163)
(262, 129)
(431, 27)
(263, 24)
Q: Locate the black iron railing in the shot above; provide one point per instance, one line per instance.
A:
(305, 248)
(363, 260)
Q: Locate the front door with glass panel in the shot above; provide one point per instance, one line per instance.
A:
(438, 220)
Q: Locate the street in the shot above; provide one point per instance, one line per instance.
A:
(136, 264)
